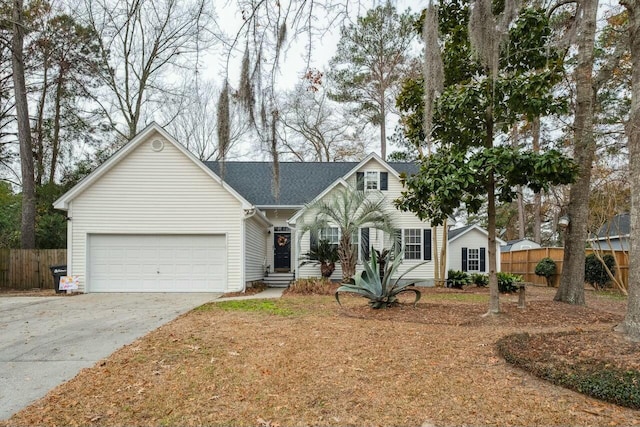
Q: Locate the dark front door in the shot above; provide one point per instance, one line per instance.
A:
(282, 251)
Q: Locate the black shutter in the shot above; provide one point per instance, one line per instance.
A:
(483, 259)
(364, 243)
(313, 240)
(384, 181)
(426, 244)
(397, 241)
(464, 259)
(360, 181)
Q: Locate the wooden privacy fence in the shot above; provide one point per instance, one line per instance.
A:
(524, 263)
(29, 268)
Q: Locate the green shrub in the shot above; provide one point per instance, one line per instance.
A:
(480, 280)
(457, 279)
(324, 254)
(547, 269)
(593, 378)
(507, 282)
(380, 290)
(594, 271)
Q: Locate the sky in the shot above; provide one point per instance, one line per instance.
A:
(294, 61)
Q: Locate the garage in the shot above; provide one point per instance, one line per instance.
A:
(156, 263)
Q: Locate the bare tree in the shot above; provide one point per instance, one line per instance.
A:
(313, 128)
(28, 224)
(194, 122)
(142, 43)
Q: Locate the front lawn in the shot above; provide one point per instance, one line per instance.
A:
(303, 360)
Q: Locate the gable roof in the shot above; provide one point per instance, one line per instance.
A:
(458, 232)
(509, 244)
(63, 201)
(619, 226)
(300, 182)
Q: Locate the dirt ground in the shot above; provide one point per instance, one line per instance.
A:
(304, 360)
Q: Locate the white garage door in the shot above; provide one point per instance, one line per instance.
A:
(156, 263)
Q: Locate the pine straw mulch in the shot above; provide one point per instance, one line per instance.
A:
(316, 363)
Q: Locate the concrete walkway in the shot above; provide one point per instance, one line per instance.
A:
(48, 340)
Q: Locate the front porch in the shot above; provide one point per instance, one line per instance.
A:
(279, 280)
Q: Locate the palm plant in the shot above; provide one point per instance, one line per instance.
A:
(381, 291)
(348, 209)
(324, 254)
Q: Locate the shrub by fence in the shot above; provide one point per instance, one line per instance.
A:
(29, 268)
(524, 263)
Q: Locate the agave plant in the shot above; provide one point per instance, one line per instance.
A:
(380, 289)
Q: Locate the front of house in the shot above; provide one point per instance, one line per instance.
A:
(153, 218)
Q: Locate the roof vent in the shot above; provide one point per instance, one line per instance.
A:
(157, 145)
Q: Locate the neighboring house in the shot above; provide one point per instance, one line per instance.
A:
(153, 218)
(518, 245)
(613, 235)
(468, 250)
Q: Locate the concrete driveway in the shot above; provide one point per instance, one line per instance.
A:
(48, 340)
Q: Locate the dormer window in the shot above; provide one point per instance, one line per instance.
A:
(371, 180)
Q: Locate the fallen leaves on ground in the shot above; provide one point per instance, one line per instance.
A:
(325, 365)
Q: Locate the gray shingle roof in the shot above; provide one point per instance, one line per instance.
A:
(300, 182)
(457, 231)
(620, 225)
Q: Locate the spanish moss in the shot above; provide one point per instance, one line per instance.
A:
(224, 119)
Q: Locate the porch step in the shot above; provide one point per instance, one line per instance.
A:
(278, 280)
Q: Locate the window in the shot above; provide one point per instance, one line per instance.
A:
(473, 262)
(412, 239)
(330, 234)
(333, 234)
(371, 180)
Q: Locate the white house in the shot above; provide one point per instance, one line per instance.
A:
(154, 218)
(467, 250)
(613, 235)
(519, 245)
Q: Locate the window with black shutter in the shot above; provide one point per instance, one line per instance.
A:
(426, 249)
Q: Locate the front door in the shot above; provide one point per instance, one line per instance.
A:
(282, 251)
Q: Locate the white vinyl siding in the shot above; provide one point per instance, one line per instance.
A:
(255, 249)
(163, 192)
(471, 239)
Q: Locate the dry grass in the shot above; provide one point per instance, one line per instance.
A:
(302, 360)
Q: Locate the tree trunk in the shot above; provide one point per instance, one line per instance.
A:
(494, 293)
(39, 148)
(383, 129)
(537, 198)
(347, 257)
(522, 222)
(631, 324)
(571, 288)
(55, 143)
(28, 224)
